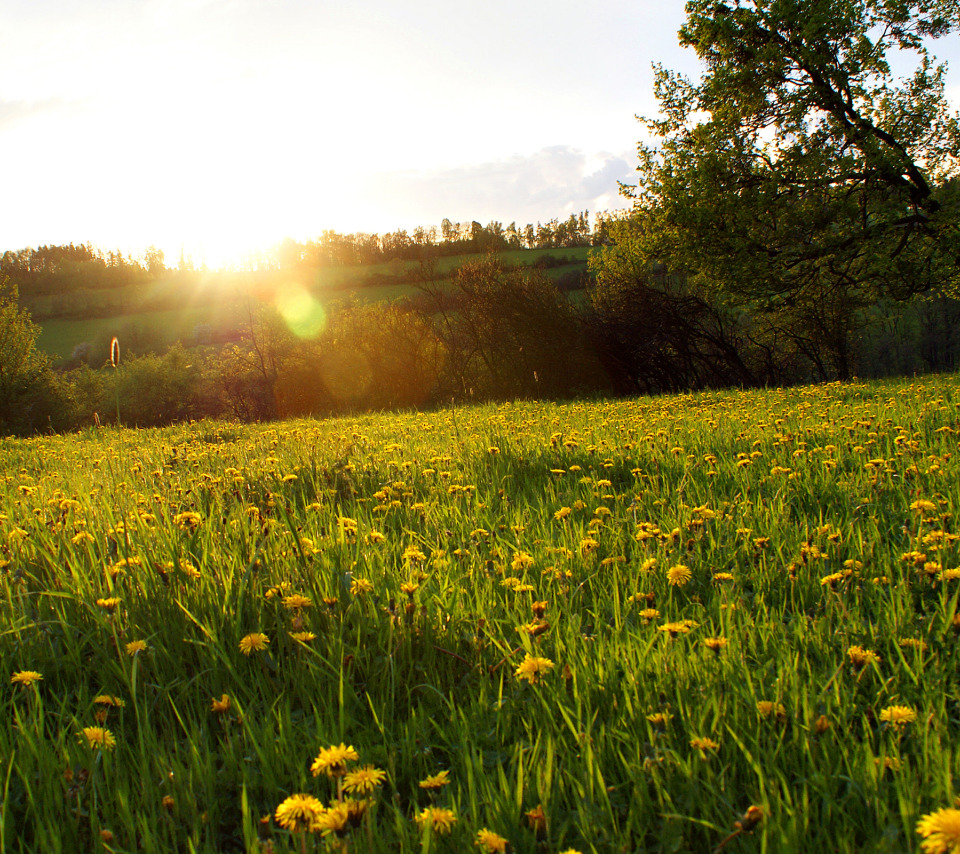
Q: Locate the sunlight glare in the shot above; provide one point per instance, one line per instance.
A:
(304, 316)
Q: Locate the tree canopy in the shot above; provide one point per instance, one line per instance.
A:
(800, 176)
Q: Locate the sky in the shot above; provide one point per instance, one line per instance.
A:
(218, 127)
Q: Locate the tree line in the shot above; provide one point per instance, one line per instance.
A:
(55, 269)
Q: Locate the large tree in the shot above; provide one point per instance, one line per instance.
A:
(800, 177)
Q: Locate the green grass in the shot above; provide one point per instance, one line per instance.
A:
(806, 497)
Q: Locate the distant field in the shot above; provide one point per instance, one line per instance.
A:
(614, 626)
(149, 318)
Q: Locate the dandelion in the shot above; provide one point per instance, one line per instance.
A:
(299, 813)
(332, 761)
(562, 514)
(715, 645)
(254, 642)
(537, 819)
(923, 505)
(940, 831)
(296, 601)
(860, 657)
(703, 744)
(221, 706)
(898, 716)
(364, 780)
(334, 819)
(659, 719)
(532, 668)
(359, 586)
(767, 709)
(412, 554)
(679, 575)
(98, 738)
(303, 637)
(439, 819)
(490, 842)
(135, 647)
(188, 521)
(109, 605)
(436, 781)
(25, 678)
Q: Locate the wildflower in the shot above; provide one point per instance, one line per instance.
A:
(860, 657)
(715, 645)
(722, 576)
(659, 719)
(562, 513)
(674, 629)
(296, 601)
(168, 803)
(409, 588)
(822, 724)
(537, 819)
(299, 813)
(412, 554)
(99, 738)
(539, 609)
(533, 667)
(359, 586)
(940, 831)
(26, 678)
(490, 842)
(898, 716)
(334, 819)
(441, 820)
(704, 744)
(436, 781)
(188, 521)
(923, 505)
(332, 761)
(109, 605)
(766, 708)
(521, 560)
(364, 780)
(254, 642)
(220, 706)
(679, 575)
(914, 643)
(303, 637)
(108, 700)
(135, 647)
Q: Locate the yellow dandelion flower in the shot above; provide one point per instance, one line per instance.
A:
(537, 819)
(98, 738)
(532, 668)
(659, 719)
(303, 637)
(436, 781)
(441, 820)
(135, 647)
(363, 780)
(332, 761)
(299, 813)
(679, 575)
(703, 744)
(923, 505)
(715, 645)
(220, 706)
(296, 601)
(108, 700)
(334, 819)
(25, 678)
(490, 842)
(767, 709)
(940, 831)
(562, 514)
(359, 586)
(898, 716)
(253, 642)
(861, 657)
(109, 605)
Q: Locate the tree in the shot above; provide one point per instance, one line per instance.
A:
(29, 392)
(799, 178)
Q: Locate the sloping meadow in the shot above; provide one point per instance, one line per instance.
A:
(717, 621)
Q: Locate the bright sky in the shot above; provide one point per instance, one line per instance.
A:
(225, 125)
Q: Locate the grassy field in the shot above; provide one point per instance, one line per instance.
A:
(163, 312)
(724, 621)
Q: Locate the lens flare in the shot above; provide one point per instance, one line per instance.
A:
(304, 316)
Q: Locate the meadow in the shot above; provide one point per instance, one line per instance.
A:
(718, 621)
